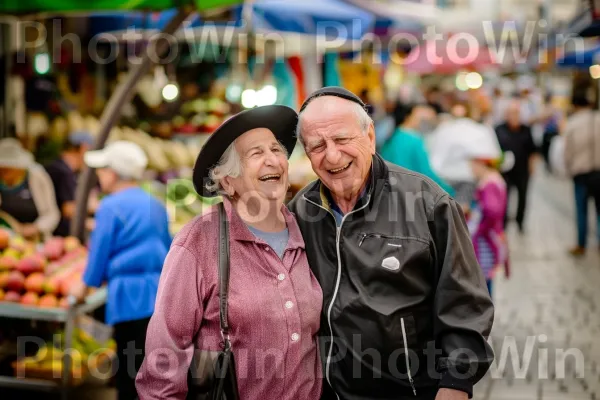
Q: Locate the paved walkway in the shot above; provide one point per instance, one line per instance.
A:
(547, 321)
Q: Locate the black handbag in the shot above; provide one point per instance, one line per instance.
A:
(213, 376)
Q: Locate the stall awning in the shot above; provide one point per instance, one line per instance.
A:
(305, 17)
(580, 59)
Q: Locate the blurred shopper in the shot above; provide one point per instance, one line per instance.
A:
(395, 261)
(515, 137)
(531, 107)
(552, 121)
(274, 300)
(26, 191)
(486, 220)
(406, 148)
(127, 249)
(448, 155)
(433, 97)
(582, 162)
(500, 102)
(63, 172)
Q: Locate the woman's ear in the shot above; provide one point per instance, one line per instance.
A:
(227, 186)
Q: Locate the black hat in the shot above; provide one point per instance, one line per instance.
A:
(333, 91)
(280, 120)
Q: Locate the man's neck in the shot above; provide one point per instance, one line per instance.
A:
(69, 160)
(266, 216)
(347, 202)
(120, 186)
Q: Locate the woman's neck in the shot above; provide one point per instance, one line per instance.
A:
(264, 215)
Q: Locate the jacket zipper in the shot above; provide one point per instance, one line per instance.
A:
(337, 282)
(407, 358)
(375, 235)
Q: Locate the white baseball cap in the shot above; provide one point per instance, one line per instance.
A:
(125, 158)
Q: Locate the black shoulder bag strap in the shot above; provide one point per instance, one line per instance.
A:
(226, 379)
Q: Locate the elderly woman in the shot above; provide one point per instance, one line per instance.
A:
(274, 300)
(26, 191)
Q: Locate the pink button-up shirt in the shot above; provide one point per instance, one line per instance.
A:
(274, 313)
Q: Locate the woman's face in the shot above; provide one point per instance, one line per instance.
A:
(264, 168)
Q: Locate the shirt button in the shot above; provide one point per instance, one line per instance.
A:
(281, 277)
(289, 304)
(266, 248)
(295, 337)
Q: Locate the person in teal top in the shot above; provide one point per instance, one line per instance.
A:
(406, 148)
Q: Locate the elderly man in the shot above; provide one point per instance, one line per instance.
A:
(406, 310)
(517, 138)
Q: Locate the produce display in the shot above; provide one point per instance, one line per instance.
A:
(39, 275)
(86, 355)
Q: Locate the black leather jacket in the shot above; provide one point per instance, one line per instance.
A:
(406, 309)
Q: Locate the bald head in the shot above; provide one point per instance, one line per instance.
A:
(322, 108)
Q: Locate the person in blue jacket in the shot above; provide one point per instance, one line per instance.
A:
(127, 250)
(406, 148)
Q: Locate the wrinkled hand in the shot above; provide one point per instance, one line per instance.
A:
(29, 231)
(451, 394)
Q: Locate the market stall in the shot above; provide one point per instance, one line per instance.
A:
(56, 347)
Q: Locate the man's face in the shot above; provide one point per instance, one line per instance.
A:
(340, 152)
(264, 166)
(513, 115)
(107, 179)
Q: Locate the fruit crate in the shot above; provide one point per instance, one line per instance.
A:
(41, 379)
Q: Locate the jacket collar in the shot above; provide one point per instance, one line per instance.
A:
(378, 179)
(238, 230)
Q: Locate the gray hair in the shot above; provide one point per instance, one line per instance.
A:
(230, 164)
(364, 120)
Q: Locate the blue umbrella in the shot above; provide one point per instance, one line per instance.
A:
(312, 17)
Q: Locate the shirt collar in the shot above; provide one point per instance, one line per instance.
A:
(240, 232)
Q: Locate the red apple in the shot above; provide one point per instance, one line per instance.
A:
(4, 279)
(31, 264)
(12, 297)
(30, 299)
(48, 301)
(54, 248)
(34, 282)
(4, 238)
(15, 281)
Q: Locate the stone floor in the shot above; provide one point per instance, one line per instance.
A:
(547, 315)
(547, 309)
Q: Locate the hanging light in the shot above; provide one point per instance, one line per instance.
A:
(266, 96)
(233, 93)
(170, 92)
(461, 82)
(249, 98)
(41, 63)
(473, 80)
